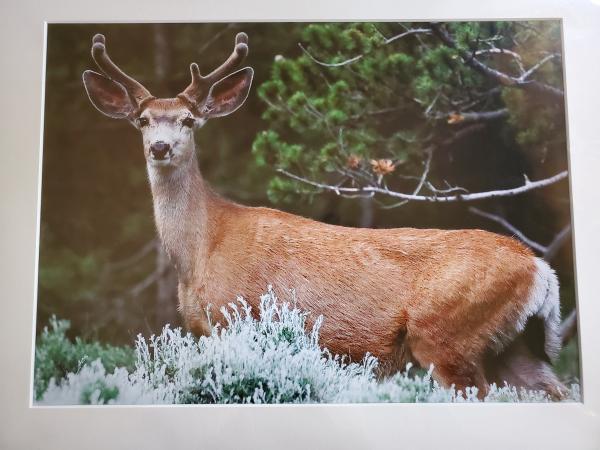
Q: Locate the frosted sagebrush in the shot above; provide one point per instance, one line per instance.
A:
(272, 359)
(56, 356)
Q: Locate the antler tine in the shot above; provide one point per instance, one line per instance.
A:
(135, 90)
(196, 86)
(240, 50)
(200, 84)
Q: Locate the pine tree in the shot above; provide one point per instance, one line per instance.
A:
(366, 104)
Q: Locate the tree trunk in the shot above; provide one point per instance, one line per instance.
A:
(366, 212)
(162, 59)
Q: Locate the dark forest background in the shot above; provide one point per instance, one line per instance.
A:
(101, 266)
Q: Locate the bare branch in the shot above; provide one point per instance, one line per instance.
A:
(422, 180)
(408, 33)
(448, 190)
(481, 116)
(133, 259)
(547, 252)
(425, 171)
(462, 133)
(534, 69)
(417, 36)
(500, 77)
(528, 186)
(510, 227)
(568, 328)
(431, 105)
(324, 64)
(147, 282)
(357, 57)
(376, 112)
(557, 243)
(502, 51)
(215, 37)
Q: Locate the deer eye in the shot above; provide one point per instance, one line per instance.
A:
(142, 121)
(188, 122)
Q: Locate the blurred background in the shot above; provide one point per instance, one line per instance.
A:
(330, 109)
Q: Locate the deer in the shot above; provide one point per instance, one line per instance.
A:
(478, 307)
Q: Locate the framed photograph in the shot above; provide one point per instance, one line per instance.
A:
(364, 223)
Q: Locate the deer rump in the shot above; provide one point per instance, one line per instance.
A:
(478, 306)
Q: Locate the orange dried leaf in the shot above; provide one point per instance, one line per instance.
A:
(353, 161)
(382, 166)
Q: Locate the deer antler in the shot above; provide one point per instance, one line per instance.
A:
(199, 85)
(136, 91)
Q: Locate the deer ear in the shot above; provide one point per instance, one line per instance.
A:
(108, 96)
(228, 94)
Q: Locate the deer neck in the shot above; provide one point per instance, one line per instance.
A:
(182, 201)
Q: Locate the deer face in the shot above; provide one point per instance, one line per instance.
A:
(167, 125)
(167, 128)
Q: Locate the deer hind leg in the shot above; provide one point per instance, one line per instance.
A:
(518, 366)
(525, 362)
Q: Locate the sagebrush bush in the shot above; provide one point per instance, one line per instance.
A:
(272, 359)
(56, 356)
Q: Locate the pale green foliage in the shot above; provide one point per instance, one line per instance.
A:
(273, 359)
(56, 356)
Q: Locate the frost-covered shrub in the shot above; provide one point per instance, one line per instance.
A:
(56, 356)
(272, 359)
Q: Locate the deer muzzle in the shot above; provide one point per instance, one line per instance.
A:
(160, 150)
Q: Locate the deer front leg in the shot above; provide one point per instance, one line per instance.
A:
(462, 374)
(195, 317)
(450, 368)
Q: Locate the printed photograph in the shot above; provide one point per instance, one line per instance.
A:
(268, 213)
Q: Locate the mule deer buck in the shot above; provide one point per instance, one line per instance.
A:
(478, 306)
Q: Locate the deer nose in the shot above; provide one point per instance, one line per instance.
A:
(159, 150)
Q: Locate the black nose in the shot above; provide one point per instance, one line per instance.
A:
(159, 150)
